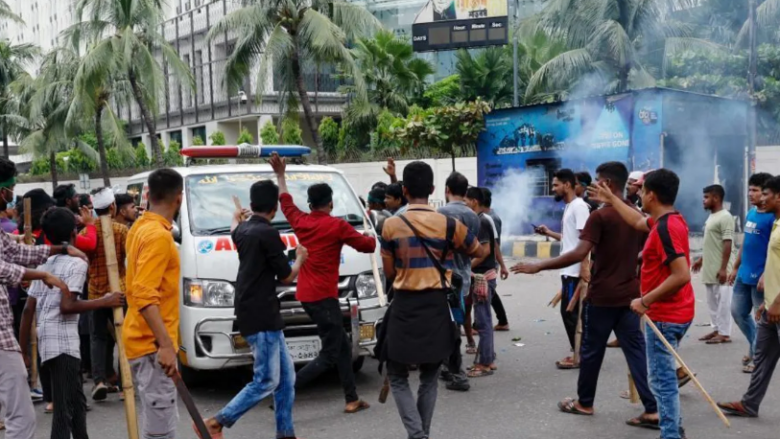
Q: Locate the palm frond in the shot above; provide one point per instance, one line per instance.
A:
(557, 73)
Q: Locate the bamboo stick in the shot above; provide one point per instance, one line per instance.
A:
(380, 289)
(633, 394)
(29, 240)
(107, 228)
(687, 370)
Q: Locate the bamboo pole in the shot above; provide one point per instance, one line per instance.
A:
(107, 228)
(687, 370)
(578, 333)
(29, 240)
(380, 289)
(633, 394)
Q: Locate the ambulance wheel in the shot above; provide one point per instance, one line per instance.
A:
(190, 376)
(358, 364)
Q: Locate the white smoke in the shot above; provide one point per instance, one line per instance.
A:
(512, 197)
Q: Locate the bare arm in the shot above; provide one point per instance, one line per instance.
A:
(565, 260)
(483, 255)
(70, 304)
(166, 354)
(630, 215)
(300, 257)
(680, 275)
(279, 165)
(26, 326)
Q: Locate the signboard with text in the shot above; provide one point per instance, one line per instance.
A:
(455, 24)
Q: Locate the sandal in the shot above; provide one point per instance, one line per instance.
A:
(709, 336)
(566, 364)
(569, 406)
(471, 349)
(642, 422)
(749, 368)
(361, 405)
(479, 372)
(746, 360)
(719, 340)
(735, 409)
(501, 328)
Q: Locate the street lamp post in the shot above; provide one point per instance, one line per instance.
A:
(241, 98)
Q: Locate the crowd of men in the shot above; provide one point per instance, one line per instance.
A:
(625, 257)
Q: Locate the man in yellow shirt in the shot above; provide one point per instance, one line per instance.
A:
(151, 328)
(767, 352)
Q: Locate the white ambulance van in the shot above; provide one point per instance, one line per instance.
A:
(209, 265)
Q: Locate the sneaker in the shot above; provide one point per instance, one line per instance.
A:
(99, 392)
(36, 395)
(458, 386)
(445, 375)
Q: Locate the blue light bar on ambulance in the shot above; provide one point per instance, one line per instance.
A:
(244, 151)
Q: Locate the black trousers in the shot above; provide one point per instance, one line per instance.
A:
(568, 286)
(336, 348)
(44, 374)
(598, 322)
(498, 307)
(102, 344)
(70, 404)
(455, 363)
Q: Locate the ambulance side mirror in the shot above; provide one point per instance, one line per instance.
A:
(176, 232)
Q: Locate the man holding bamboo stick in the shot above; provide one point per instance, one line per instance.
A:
(767, 350)
(102, 323)
(667, 295)
(614, 285)
(151, 329)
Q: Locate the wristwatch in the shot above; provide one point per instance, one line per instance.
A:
(65, 246)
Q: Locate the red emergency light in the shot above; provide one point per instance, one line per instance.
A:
(244, 151)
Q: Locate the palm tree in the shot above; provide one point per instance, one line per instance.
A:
(13, 60)
(7, 14)
(613, 44)
(393, 79)
(123, 36)
(488, 76)
(46, 102)
(291, 34)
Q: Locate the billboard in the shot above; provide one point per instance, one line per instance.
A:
(454, 24)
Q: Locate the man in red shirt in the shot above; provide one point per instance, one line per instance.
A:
(667, 294)
(324, 236)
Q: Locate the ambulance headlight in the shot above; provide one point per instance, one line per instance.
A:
(365, 285)
(208, 293)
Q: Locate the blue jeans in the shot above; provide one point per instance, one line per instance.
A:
(744, 303)
(662, 374)
(274, 372)
(484, 316)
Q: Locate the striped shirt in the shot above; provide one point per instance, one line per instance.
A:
(58, 333)
(13, 258)
(415, 271)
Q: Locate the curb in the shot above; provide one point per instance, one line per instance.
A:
(531, 249)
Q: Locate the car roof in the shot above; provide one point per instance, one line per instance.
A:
(221, 169)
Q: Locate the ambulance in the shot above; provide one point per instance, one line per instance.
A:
(209, 338)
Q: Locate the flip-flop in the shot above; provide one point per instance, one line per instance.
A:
(730, 408)
(213, 435)
(568, 406)
(642, 422)
(566, 365)
(709, 336)
(746, 360)
(362, 405)
(501, 328)
(718, 340)
(749, 368)
(471, 350)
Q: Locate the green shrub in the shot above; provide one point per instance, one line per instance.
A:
(40, 166)
(245, 137)
(217, 138)
(141, 157)
(114, 159)
(329, 133)
(291, 131)
(197, 141)
(172, 156)
(268, 134)
(77, 161)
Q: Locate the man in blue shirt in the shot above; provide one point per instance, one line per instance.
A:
(749, 268)
(455, 192)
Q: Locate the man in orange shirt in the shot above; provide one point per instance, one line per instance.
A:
(151, 328)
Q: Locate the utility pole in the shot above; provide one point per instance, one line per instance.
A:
(752, 74)
(516, 100)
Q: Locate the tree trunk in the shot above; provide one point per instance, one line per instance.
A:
(6, 153)
(306, 104)
(101, 145)
(452, 154)
(623, 78)
(148, 121)
(53, 168)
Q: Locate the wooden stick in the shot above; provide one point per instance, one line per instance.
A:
(380, 289)
(29, 240)
(578, 333)
(633, 394)
(687, 370)
(556, 299)
(107, 227)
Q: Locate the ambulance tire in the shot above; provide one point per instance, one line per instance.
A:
(191, 377)
(357, 364)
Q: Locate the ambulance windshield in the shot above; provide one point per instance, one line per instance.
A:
(210, 202)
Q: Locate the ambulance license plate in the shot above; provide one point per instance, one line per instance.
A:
(304, 350)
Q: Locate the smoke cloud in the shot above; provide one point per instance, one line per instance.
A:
(512, 196)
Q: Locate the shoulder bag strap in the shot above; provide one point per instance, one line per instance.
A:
(436, 263)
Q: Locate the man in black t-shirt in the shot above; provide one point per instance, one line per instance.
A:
(262, 260)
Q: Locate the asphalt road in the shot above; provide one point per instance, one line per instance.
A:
(519, 401)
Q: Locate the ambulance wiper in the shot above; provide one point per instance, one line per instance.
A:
(215, 231)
